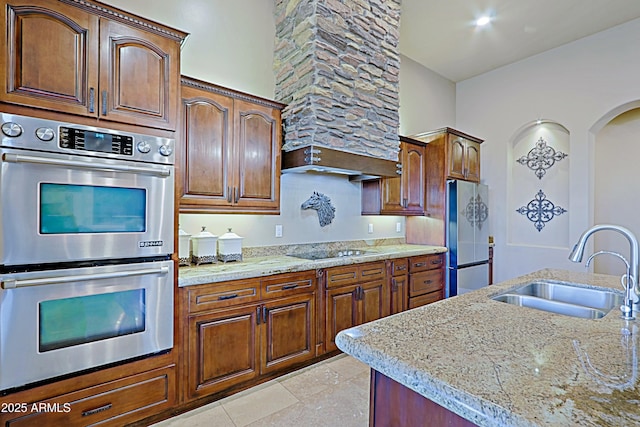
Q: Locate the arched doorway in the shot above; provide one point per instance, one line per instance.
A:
(616, 184)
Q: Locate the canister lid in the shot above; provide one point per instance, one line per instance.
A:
(204, 234)
(230, 235)
(181, 232)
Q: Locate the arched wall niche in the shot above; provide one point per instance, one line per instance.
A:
(538, 185)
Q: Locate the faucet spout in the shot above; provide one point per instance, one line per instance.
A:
(578, 252)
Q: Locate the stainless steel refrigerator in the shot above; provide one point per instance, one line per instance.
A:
(467, 236)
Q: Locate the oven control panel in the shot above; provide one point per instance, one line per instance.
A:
(59, 137)
(82, 139)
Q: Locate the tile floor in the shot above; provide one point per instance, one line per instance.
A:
(329, 393)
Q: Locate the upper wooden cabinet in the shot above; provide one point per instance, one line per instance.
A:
(459, 151)
(90, 59)
(402, 195)
(228, 151)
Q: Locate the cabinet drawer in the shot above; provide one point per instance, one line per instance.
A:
(425, 282)
(115, 403)
(371, 271)
(220, 295)
(426, 262)
(398, 267)
(350, 274)
(425, 299)
(341, 276)
(288, 284)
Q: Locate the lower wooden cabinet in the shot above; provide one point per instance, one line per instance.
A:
(426, 280)
(398, 270)
(354, 295)
(113, 403)
(236, 344)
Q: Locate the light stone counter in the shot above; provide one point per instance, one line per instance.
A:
(497, 364)
(275, 264)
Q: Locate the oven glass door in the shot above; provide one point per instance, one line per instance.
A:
(58, 208)
(58, 322)
(69, 208)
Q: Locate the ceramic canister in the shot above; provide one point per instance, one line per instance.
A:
(204, 248)
(230, 247)
(183, 247)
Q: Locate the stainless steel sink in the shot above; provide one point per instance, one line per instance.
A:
(563, 298)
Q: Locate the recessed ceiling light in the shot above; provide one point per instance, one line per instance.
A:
(482, 21)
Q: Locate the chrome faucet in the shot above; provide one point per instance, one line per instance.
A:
(632, 289)
(627, 308)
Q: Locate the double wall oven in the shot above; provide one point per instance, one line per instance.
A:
(86, 236)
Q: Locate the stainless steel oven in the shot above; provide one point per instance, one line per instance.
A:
(86, 237)
(62, 321)
(78, 193)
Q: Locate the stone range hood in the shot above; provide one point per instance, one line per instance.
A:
(337, 68)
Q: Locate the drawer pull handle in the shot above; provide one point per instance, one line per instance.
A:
(401, 268)
(224, 297)
(436, 261)
(420, 264)
(96, 410)
(427, 282)
(286, 287)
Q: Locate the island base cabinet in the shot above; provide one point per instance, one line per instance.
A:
(393, 404)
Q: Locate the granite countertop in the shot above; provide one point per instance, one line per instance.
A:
(498, 364)
(275, 264)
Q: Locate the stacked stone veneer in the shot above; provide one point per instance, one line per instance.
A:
(337, 64)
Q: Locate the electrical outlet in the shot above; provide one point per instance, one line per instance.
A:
(279, 230)
(398, 227)
(370, 229)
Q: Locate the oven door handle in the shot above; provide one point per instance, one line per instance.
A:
(21, 158)
(11, 284)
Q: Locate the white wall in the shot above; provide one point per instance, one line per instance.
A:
(231, 44)
(427, 100)
(581, 85)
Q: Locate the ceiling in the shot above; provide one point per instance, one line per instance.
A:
(440, 34)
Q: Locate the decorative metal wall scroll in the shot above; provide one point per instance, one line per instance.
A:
(322, 204)
(541, 157)
(540, 210)
(476, 212)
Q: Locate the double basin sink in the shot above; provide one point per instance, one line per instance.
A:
(563, 298)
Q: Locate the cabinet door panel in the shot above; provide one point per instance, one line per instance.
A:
(223, 350)
(398, 294)
(342, 313)
(50, 61)
(136, 83)
(204, 152)
(374, 304)
(289, 332)
(457, 158)
(473, 161)
(414, 179)
(258, 152)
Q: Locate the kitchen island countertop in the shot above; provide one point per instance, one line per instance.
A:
(268, 265)
(498, 364)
